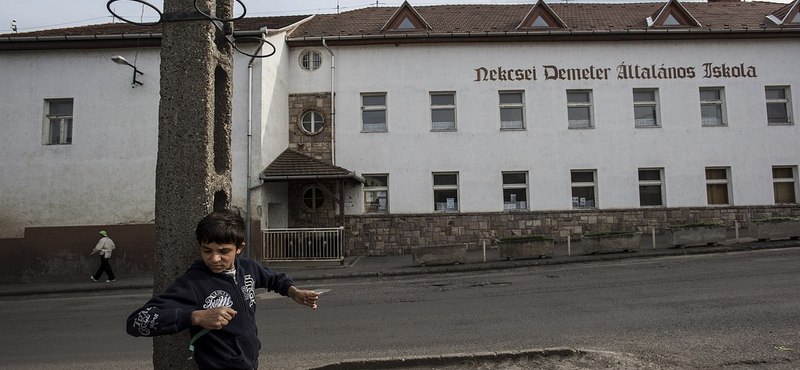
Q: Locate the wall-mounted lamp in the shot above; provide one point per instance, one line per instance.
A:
(122, 61)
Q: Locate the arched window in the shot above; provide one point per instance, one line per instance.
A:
(310, 60)
(313, 198)
(312, 122)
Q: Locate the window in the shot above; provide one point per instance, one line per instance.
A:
(511, 111)
(651, 187)
(445, 191)
(58, 121)
(443, 111)
(784, 181)
(579, 108)
(778, 108)
(645, 107)
(584, 194)
(376, 193)
(373, 112)
(718, 186)
(712, 106)
(310, 60)
(311, 122)
(313, 198)
(515, 190)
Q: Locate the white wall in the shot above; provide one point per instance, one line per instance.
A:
(479, 151)
(106, 175)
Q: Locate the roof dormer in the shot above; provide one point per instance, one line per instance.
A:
(541, 16)
(788, 15)
(406, 18)
(672, 14)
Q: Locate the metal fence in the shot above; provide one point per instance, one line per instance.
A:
(312, 244)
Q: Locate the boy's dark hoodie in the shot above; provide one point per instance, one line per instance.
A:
(236, 345)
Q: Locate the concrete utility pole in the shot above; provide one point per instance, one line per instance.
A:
(193, 171)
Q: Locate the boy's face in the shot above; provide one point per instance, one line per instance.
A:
(219, 257)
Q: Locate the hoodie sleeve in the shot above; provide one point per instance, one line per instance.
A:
(271, 280)
(166, 313)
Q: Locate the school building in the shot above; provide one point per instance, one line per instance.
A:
(415, 125)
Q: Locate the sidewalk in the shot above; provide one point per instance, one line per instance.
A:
(363, 266)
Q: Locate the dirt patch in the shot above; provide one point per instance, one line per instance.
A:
(546, 359)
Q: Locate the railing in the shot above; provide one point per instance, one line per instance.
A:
(312, 244)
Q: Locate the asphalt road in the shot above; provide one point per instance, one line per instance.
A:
(732, 311)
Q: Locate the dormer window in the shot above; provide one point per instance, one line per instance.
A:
(671, 21)
(788, 15)
(541, 16)
(405, 24)
(672, 14)
(540, 22)
(406, 18)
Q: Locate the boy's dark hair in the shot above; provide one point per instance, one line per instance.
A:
(222, 227)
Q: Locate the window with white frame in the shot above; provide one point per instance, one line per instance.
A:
(310, 60)
(373, 112)
(579, 108)
(512, 108)
(651, 187)
(58, 121)
(784, 182)
(376, 193)
(712, 106)
(718, 185)
(645, 107)
(515, 190)
(584, 188)
(311, 122)
(443, 111)
(779, 108)
(445, 191)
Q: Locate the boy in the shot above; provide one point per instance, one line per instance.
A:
(215, 298)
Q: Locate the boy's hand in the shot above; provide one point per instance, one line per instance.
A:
(304, 297)
(213, 318)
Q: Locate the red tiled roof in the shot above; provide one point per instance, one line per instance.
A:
(480, 20)
(445, 19)
(294, 165)
(122, 28)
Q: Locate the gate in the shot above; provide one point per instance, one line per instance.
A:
(303, 244)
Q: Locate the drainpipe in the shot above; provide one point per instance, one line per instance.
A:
(333, 102)
(248, 230)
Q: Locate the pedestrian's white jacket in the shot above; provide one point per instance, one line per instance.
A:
(104, 246)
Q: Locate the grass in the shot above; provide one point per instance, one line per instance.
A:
(696, 224)
(776, 219)
(608, 233)
(524, 237)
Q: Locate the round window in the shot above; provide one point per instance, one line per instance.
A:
(312, 122)
(313, 198)
(310, 60)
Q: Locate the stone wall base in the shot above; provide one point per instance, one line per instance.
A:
(378, 235)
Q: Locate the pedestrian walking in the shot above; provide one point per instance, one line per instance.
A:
(104, 246)
(215, 299)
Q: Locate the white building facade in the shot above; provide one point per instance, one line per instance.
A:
(439, 126)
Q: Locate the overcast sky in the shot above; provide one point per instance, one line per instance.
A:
(32, 15)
